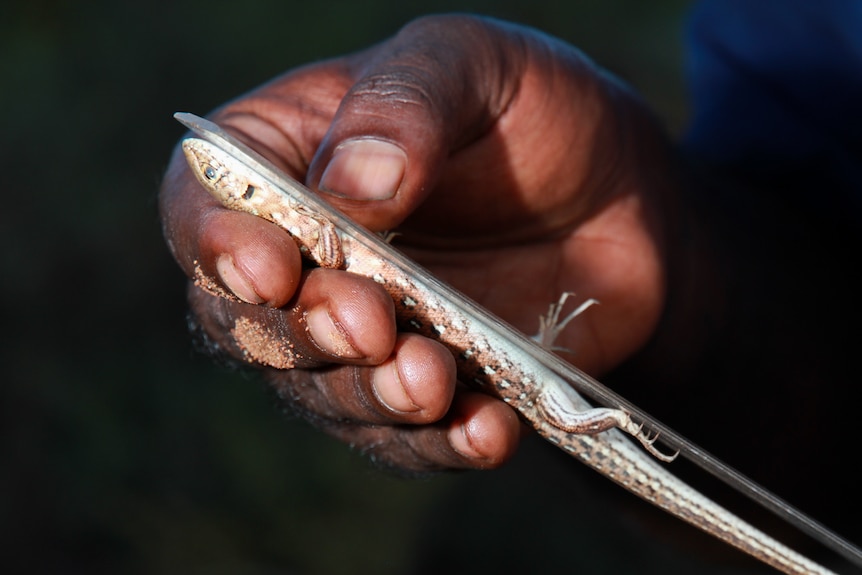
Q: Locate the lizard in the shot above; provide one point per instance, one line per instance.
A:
(490, 355)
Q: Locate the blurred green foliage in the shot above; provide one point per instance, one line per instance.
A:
(121, 450)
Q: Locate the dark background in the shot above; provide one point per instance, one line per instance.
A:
(121, 449)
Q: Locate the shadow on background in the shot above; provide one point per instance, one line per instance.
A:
(122, 451)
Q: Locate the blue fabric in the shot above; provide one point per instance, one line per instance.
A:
(776, 90)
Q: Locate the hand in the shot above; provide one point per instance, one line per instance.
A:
(510, 166)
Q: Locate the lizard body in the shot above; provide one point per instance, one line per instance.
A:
(490, 355)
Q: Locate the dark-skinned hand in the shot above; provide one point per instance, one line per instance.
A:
(511, 167)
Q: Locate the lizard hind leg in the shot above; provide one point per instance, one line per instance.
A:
(558, 407)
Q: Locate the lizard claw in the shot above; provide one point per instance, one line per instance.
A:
(388, 236)
(648, 441)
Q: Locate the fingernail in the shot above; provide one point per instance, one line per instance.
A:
(390, 391)
(327, 334)
(459, 441)
(236, 281)
(365, 169)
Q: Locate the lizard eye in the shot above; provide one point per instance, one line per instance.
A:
(249, 192)
(209, 173)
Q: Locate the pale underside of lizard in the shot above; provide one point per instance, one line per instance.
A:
(490, 355)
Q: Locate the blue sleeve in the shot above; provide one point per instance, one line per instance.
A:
(776, 90)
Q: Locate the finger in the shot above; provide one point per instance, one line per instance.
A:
(415, 385)
(436, 86)
(227, 253)
(337, 317)
(479, 432)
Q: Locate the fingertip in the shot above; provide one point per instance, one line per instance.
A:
(484, 430)
(254, 260)
(418, 381)
(348, 316)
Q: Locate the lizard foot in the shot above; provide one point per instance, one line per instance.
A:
(557, 408)
(550, 325)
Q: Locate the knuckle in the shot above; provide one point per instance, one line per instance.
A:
(408, 450)
(248, 335)
(398, 87)
(327, 397)
(397, 450)
(316, 396)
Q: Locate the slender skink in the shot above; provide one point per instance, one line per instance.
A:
(490, 355)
